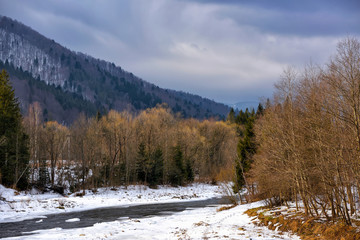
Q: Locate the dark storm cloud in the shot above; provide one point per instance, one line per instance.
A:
(224, 50)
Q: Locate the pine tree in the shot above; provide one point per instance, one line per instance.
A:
(141, 162)
(176, 175)
(241, 118)
(189, 173)
(157, 169)
(231, 116)
(14, 154)
(260, 110)
(246, 149)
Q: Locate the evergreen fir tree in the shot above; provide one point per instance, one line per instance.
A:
(14, 154)
(157, 169)
(247, 113)
(231, 116)
(260, 110)
(189, 173)
(241, 118)
(246, 149)
(176, 175)
(141, 162)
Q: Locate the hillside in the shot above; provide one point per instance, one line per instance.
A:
(67, 82)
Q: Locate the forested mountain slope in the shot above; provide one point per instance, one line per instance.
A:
(67, 82)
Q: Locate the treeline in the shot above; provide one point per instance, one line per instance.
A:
(154, 147)
(308, 140)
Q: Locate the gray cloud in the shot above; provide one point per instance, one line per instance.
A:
(308, 17)
(291, 6)
(224, 50)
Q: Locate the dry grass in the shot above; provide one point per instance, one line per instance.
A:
(305, 227)
(225, 208)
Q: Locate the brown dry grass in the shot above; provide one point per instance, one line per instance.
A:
(225, 208)
(305, 227)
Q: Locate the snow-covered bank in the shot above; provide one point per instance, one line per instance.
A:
(205, 223)
(20, 206)
(200, 223)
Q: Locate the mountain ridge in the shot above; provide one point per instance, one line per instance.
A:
(99, 82)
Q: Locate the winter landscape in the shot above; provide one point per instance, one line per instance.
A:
(180, 119)
(191, 223)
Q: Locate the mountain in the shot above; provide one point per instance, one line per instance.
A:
(66, 83)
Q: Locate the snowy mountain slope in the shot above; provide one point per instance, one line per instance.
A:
(101, 83)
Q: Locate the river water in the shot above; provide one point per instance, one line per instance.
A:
(90, 217)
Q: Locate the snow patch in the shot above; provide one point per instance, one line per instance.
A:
(73, 220)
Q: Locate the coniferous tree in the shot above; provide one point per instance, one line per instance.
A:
(157, 168)
(189, 173)
(246, 149)
(247, 112)
(241, 117)
(231, 116)
(177, 170)
(141, 162)
(14, 154)
(260, 110)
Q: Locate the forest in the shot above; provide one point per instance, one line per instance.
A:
(120, 148)
(152, 147)
(308, 140)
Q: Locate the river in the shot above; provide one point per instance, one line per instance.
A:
(108, 214)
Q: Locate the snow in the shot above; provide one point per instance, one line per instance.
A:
(200, 223)
(73, 220)
(205, 223)
(22, 206)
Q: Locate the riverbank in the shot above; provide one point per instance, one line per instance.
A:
(192, 223)
(308, 227)
(18, 206)
(201, 223)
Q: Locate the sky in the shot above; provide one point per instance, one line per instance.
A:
(225, 50)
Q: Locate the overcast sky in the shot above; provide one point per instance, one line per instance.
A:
(226, 50)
